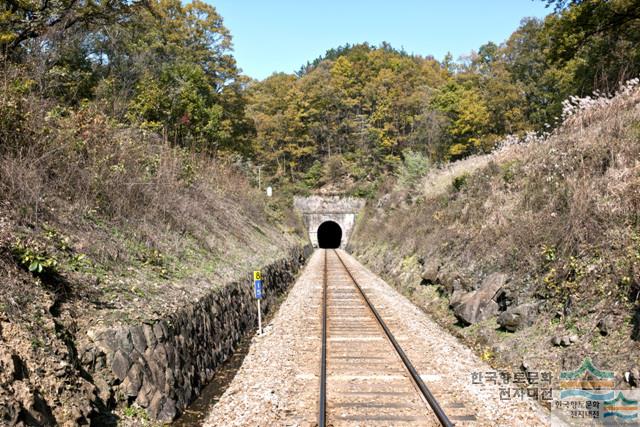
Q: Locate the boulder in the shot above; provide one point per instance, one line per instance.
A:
(518, 318)
(168, 411)
(134, 380)
(120, 365)
(563, 340)
(568, 340)
(104, 390)
(478, 305)
(123, 340)
(162, 408)
(138, 338)
(430, 272)
(605, 326)
(450, 283)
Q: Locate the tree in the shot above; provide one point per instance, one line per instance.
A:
(360, 104)
(468, 119)
(189, 87)
(22, 20)
(596, 41)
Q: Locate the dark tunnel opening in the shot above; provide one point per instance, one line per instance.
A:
(329, 235)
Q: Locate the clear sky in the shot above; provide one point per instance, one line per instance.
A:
(282, 35)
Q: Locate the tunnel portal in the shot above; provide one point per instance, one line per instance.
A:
(318, 210)
(329, 235)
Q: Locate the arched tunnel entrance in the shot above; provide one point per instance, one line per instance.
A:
(329, 235)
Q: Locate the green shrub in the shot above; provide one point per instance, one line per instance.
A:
(549, 253)
(335, 168)
(313, 176)
(508, 171)
(365, 190)
(414, 166)
(459, 182)
(34, 258)
(135, 412)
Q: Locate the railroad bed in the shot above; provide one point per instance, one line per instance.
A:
(365, 379)
(336, 364)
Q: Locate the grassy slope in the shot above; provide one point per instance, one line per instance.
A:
(559, 216)
(127, 228)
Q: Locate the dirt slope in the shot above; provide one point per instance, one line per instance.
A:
(101, 226)
(555, 218)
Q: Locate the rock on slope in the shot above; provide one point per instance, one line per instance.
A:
(556, 218)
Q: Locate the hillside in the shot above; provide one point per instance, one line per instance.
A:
(135, 154)
(103, 226)
(546, 234)
(351, 117)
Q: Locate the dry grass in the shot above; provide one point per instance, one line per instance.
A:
(561, 216)
(439, 180)
(149, 219)
(125, 175)
(129, 228)
(566, 191)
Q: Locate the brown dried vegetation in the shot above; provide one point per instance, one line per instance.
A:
(101, 224)
(560, 216)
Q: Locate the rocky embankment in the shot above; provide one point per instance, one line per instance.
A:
(163, 365)
(492, 317)
(63, 374)
(531, 256)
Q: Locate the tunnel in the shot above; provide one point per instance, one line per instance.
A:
(329, 235)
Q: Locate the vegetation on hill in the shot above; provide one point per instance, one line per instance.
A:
(557, 215)
(123, 193)
(161, 65)
(359, 111)
(130, 140)
(350, 116)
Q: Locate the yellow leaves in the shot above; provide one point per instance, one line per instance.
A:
(458, 150)
(342, 69)
(487, 354)
(387, 142)
(6, 37)
(433, 73)
(473, 116)
(6, 17)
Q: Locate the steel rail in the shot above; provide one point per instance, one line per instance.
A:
(433, 403)
(323, 363)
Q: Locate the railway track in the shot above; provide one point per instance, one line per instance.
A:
(366, 378)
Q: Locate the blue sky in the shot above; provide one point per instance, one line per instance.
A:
(282, 35)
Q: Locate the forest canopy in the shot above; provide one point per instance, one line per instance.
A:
(356, 114)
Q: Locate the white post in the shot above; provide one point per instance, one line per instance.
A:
(259, 319)
(259, 178)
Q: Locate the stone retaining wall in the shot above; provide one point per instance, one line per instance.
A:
(163, 365)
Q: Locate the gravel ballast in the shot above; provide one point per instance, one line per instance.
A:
(278, 382)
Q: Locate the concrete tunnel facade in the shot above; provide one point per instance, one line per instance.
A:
(329, 220)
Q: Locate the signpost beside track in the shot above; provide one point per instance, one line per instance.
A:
(258, 291)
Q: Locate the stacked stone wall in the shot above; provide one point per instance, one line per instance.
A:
(163, 365)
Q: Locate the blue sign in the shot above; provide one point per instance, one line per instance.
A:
(257, 287)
